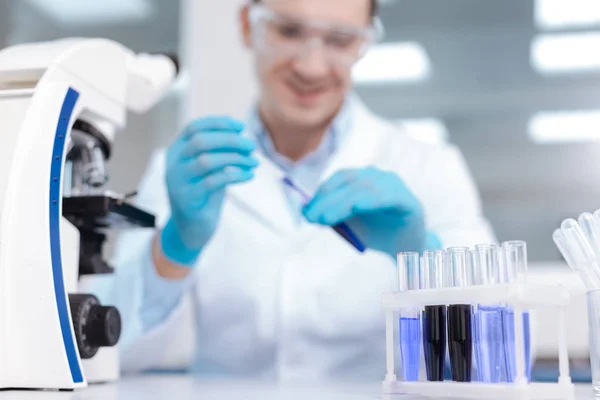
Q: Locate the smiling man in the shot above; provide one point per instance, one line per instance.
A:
(277, 293)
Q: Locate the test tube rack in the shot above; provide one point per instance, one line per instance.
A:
(521, 296)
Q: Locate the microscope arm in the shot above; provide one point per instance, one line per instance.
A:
(150, 77)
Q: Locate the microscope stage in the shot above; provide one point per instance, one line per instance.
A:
(105, 211)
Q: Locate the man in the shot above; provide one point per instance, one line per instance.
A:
(277, 292)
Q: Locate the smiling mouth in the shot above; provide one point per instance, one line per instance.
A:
(307, 95)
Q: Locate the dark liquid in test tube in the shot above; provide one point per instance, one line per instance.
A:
(460, 342)
(434, 341)
(434, 317)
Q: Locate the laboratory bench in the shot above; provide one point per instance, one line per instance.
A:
(184, 387)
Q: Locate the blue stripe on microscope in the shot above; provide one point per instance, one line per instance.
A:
(55, 217)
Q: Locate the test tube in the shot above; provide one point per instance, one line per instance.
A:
(476, 278)
(460, 339)
(434, 317)
(410, 323)
(515, 270)
(591, 228)
(487, 318)
(581, 250)
(587, 277)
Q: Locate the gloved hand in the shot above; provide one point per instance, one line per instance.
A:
(207, 157)
(377, 205)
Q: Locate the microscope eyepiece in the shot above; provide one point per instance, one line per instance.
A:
(174, 59)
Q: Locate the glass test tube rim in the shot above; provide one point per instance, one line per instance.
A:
(577, 242)
(519, 268)
(591, 228)
(408, 281)
(492, 270)
(514, 242)
(483, 246)
(435, 277)
(463, 268)
(479, 278)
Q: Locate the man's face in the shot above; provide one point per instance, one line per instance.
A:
(306, 85)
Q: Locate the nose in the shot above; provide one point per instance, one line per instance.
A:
(313, 62)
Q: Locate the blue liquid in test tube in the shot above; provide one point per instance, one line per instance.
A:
(509, 338)
(410, 338)
(488, 329)
(489, 351)
(515, 257)
(410, 322)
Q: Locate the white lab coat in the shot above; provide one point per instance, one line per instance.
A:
(277, 300)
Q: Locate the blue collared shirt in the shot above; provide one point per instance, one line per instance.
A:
(307, 171)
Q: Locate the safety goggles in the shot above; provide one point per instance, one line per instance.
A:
(282, 36)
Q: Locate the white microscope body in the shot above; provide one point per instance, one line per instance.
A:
(61, 104)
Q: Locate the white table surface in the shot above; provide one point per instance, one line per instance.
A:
(183, 387)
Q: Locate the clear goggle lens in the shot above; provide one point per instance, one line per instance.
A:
(286, 37)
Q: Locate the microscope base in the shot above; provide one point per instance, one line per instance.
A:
(104, 367)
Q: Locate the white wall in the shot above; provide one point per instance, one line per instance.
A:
(222, 80)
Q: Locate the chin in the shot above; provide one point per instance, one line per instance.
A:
(312, 114)
(309, 116)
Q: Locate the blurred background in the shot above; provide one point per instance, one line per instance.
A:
(514, 83)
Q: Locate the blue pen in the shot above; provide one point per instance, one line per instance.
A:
(341, 229)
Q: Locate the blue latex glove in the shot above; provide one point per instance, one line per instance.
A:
(209, 155)
(377, 205)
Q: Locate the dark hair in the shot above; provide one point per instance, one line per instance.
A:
(374, 6)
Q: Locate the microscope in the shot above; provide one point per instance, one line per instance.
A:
(61, 105)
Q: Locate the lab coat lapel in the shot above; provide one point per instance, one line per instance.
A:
(264, 197)
(363, 146)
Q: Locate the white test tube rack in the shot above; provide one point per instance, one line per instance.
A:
(520, 296)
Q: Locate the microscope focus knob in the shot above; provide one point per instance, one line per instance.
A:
(95, 325)
(105, 326)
